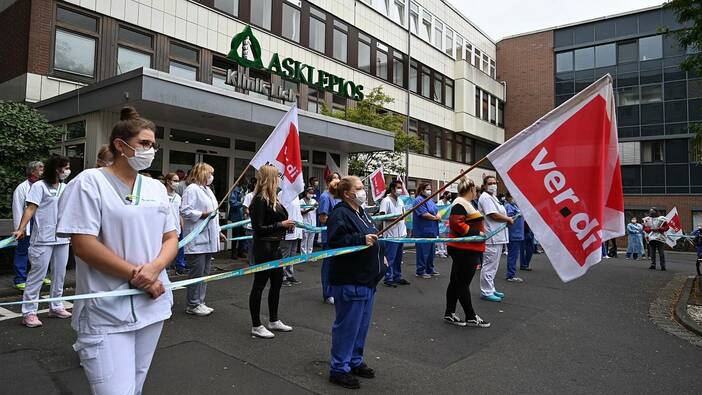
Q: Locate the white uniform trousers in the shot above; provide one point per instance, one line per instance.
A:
(41, 256)
(491, 262)
(117, 363)
(307, 244)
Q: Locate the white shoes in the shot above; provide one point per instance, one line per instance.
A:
(279, 326)
(329, 300)
(262, 332)
(200, 310)
(207, 307)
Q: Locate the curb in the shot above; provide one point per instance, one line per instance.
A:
(680, 310)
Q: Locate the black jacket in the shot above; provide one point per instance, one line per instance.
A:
(347, 227)
(268, 230)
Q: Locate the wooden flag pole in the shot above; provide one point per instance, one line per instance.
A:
(234, 185)
(438, 191)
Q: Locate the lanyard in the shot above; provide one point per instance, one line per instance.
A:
(56, 192)
(135, 196)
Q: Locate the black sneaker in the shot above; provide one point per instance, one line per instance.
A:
(478, 322)
(364, 371)
(345, 380)
(663, 268)
(652, 267)
(453, 319)
(390, 285)
(402, 281)
(293, 281)
(182, 270)
(287, 283)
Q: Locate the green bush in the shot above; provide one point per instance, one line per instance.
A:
(25, 135)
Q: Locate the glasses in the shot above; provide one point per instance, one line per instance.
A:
(492, 183)
(148, 144)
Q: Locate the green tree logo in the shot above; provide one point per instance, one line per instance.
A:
(246, 50)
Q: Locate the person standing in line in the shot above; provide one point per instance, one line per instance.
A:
(327, 202)
(34, 172)
(425, 224)
(527, 249)
(46, 249)
(314, 184)
(655, 226)
(123, 235)
(495, 216)
(171, 180)
(309, 217)
(634, 247)
(464, 221)
(269, 221)
(183, 177)
(391, 204)
(515, 247)
(445, 200)
(293, 236)
(236, 214)
(198, 203)
(248, 245)
(354, 278)
(104, 156)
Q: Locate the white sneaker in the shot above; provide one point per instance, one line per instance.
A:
(329, 300)
(199, 310)
(279, 326)
(211, 310)
(262, 332)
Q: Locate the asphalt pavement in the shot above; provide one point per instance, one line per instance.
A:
(592, 335)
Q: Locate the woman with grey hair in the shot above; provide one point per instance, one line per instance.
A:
(34, 171)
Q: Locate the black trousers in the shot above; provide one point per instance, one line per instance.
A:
(653, 246)
(462, 272)
(259, 284)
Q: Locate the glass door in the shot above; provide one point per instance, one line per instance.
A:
(183, 160)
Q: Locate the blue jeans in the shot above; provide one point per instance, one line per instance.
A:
(180, 258)
(20, 261)
(425, 255)
(326, 287)
(393, 252)
(514, 249)
(604, 250)
(354, 307)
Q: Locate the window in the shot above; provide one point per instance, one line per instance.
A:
(460, 153)
(74, 53)
(364, 52)
(627, 96)
(338, 103)
(414, 18)
(605, 55)
(651, 151)
(398, 68)
(291, 86)
(675, 90)
(220, 66)
(313, 100)
(651, 48)
(291, 22)
(261, 13)
(676, 111)
(584, 34)
(425, 33)
(476, 57)
(220, 81)
(486, 62)
(397, 11)
(501, 113)
(229, 6)
(477, 102)
(627, 52)
(381, 61)
(449, 93)
(493, 68)
(437, 142)
(626, 25)
(80, 21)
(493, 110)
(584, 58)
(564, 61)
(694, 88)
(438, 83)
(184, 61)
(317, 30)
(651, 94)
(485, 111)
(134, 50)
(676, 151)
(459, 48)
(413, 77)
(381, 6)
(448, 45)
(426, 82)
(438, 34)
(340, 41)
(128, 59)
(469, 53)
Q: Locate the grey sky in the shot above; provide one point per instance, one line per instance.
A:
(501, 18)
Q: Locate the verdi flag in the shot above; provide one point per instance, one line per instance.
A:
(282, 150)
(331, 167)
(674, 231)
(377, 183)
(564, 172)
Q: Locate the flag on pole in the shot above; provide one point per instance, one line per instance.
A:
(674, 231)
(377, 183)
(331, 167)
(282, 150)
(564, 172)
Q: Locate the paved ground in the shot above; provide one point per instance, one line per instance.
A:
(589, 336)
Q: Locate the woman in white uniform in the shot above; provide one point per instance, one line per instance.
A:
(495, 216)
(197, 204)
(123, 236)
(45, 248)
(171, 181)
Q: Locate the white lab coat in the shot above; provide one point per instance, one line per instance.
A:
(19, 197)
(295, 214)
(196, 200)
(175, 201)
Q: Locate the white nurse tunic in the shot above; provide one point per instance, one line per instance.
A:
(196, 200)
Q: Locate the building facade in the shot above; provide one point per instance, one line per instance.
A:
(80, 61)
(657, 102)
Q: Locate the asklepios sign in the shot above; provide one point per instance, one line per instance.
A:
(564, 172)
(246, 51)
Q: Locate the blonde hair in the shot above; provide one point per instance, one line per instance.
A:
(345, 184)
(267, 184)
(465, 185)
(198, 175)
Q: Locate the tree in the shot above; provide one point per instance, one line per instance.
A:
(370, 112)
(25, 135)
(688, 13)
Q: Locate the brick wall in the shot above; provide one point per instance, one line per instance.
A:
(40, 37)
(526, 64)
(14, 30)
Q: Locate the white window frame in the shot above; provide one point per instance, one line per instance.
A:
(448, 33)
(440, 39)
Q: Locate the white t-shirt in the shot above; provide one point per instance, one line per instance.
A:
(46, 197)
(295, 214)
(393, 206)
(247, 199)
(175, 200)
(310, 217)
(132, 227)
(19, 198)
(489, 204)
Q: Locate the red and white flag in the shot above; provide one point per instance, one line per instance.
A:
(282, 150)
(564, 172)
(331, 167)
(377, 183)
(674, 231)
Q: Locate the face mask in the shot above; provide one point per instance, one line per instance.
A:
(210, 178)
(142, 157)
(310, 196)
(492, 189)
(316, 183)
(398, 191)
(173, 184)
(360, 197)
(65, 174)
(427, 192)
(633, 221)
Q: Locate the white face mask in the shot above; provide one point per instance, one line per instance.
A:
(310, 196)
(173, 184)
(360, 197)
(398, 191)
(142, 157)
(210, 178)
(427, 192)
(492, 189)
(65, 174)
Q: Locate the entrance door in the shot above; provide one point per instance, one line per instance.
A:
(182, 160)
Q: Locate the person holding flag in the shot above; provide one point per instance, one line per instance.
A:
(391, 204)
(655, 226)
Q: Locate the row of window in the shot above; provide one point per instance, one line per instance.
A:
(435, 32)
(489, 108)
(448, 145)
(662, 178)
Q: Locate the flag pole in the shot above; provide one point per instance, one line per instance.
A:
(438, 191)
(226, 196)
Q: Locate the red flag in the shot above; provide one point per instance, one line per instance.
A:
(377, 182)
(564, 172)
(674, 231)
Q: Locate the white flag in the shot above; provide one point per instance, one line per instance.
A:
(331, 167)
(674, 231)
